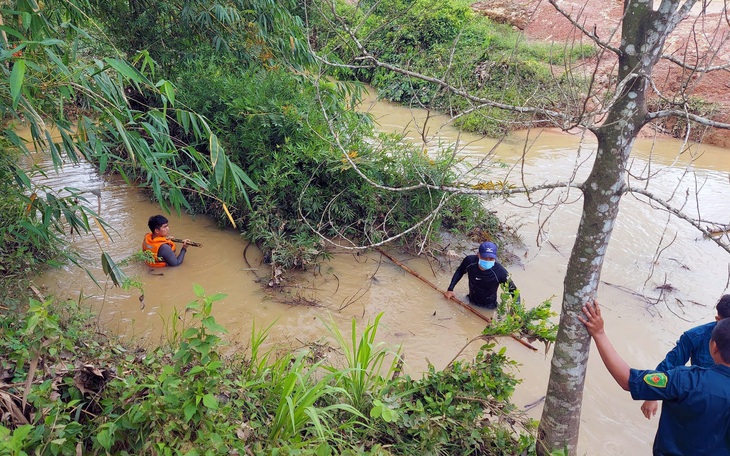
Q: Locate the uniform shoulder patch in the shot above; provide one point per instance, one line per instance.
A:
(656, 379)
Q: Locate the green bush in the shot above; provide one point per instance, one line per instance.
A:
(458, 410)
(279, 128)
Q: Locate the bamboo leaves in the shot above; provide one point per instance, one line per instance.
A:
(16, 80)
(112, 270)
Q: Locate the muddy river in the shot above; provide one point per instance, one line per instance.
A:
(660, 278)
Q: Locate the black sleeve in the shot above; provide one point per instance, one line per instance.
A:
(458, 274)
(166, 253)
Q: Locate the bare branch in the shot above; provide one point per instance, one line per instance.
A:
(694, 68)
(678, 213)
(561, 118)
(586, 32)
(687, 115)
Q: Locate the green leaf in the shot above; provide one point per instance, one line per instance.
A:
(125, 139)
(16, 81)
(217, 297)
(168, 90)
(217, 159)
(126, 70)
(111, 269)
(105, 439)
(189, 410)
(212, 326)
(210, 401)
(199, 291)
(11, 31)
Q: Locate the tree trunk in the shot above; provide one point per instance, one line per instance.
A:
(644, 32)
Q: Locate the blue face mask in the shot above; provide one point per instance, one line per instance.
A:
(486, 264)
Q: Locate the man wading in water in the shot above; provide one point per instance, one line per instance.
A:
(485, 275)
(161, 247)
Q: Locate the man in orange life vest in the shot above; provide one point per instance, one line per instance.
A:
(161, 247)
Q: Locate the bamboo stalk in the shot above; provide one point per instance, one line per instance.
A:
(190, 243)
(453, 298)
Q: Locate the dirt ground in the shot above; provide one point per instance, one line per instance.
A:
(705, 35)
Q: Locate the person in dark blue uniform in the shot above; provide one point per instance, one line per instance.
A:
(695, 418)
(693, 346)
(485, 275)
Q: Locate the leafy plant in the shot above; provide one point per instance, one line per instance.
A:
(460, 410)
(514, 319)
(364, 376)
(296, 413)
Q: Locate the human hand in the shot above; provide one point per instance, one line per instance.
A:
(185, 243)
(449, 294)
(593, 319)
(649, 408)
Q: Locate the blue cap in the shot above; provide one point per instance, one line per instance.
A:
(488, 250)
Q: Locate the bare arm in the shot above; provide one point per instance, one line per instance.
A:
(616, 365)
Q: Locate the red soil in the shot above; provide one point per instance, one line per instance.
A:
(705, 35)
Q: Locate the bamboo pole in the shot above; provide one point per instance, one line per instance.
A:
(453, 298)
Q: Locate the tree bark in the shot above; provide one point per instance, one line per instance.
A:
(644, 32)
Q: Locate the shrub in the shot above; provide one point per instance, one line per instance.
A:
(281, 130)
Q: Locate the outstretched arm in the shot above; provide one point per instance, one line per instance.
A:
(611, 359)
(455, 279)
(679, 355)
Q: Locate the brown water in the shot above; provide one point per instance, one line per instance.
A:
(415, 316)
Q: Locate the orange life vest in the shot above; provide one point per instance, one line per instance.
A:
(153, 245)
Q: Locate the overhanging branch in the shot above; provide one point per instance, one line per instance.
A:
(687, 115)
(558, 118)
(678, 213)
(563, 118)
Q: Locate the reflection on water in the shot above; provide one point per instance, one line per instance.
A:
(417, 317)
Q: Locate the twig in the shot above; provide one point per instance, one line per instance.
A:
(534, 404)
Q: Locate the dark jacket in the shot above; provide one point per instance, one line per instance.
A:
(483, 283)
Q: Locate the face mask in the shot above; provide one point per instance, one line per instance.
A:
(486, 264)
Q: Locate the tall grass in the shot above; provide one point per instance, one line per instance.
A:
(297, 414)
(363, 375)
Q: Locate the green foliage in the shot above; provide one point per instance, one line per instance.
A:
(446, 41)
(363, 377)
(185, 396)
(460, 410)
(296, 414)
(513, 319)
(422, 24)
(76, 107)
(281, 125)
(177, 32)
(44, 334)
(168, 400)
(24, 240)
